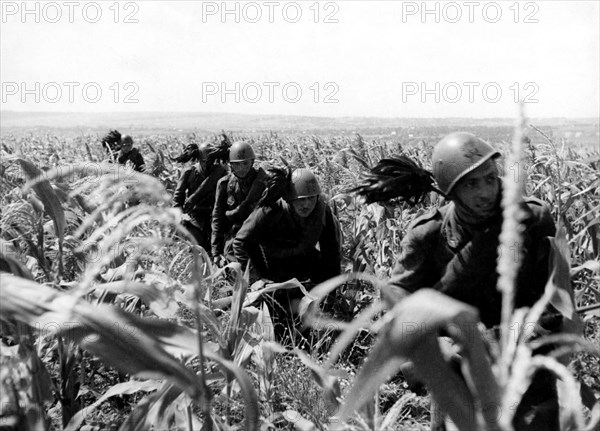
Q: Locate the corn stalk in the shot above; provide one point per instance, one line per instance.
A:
(510, 239)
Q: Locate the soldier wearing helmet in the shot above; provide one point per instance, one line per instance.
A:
(287, 233)
(127, 153)
(236, 197)
(195, 191)
(296, 236)
(454, 250)
(466, 171)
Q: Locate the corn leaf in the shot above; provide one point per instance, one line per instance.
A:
(253, 296)
(112, 334)
(42, 187)
(563, 298)
(412, 334)
(125, 388)
(158, 300)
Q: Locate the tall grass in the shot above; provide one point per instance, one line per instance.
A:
(102, 269)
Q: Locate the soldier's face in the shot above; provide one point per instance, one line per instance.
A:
(126, 146)
(304, 206)
(479, 189)
(241, 169)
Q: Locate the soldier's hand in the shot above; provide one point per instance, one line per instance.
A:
(414, 383)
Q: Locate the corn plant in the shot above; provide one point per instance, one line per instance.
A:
(145, 348)
(490, 383)
(83, 236)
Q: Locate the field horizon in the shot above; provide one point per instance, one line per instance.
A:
(139, 122)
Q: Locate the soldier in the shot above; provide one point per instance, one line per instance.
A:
(454, 250)
(111, 142)
(237, 195)
(195, 191)
(129, 154)
(294, 237)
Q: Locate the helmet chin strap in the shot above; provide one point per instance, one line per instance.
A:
(464, 213)
(468, 216)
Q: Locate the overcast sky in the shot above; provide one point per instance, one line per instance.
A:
(360, 58)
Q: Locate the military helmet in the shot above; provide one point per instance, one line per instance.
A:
(304, 184)
(203, 154)
(241, 151)
(204, 149)
(456, 155)
(190, 148)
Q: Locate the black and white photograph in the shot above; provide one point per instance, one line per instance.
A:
(304, 215)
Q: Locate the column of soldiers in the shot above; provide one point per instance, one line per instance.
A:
(281, 225)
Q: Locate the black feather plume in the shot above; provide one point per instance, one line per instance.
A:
(219, 152)
(112, 141)
(225, 139)
(190, 152)
(396, 177)
(279, 183)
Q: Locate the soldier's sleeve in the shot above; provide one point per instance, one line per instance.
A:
(219, 222)
(138, 161)
(534, 270)
(207, 189)
(307, 242)
(413, 269)
(180, 190)
(330, 244)
(471, 276)
(239, 214)
(544, 222)
(251, 232)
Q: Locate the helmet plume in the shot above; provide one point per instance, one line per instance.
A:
(396, 177)
(279, 182)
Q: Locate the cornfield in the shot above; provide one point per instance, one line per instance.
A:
(112, 318)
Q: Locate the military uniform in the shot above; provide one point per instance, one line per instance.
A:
(460, 260)
(195, 194)
(135, 157)
(235, 199)
(281, 246)
(440, 252)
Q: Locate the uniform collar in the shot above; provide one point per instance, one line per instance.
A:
(316, 217)
(248, 179)
(459, 230)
